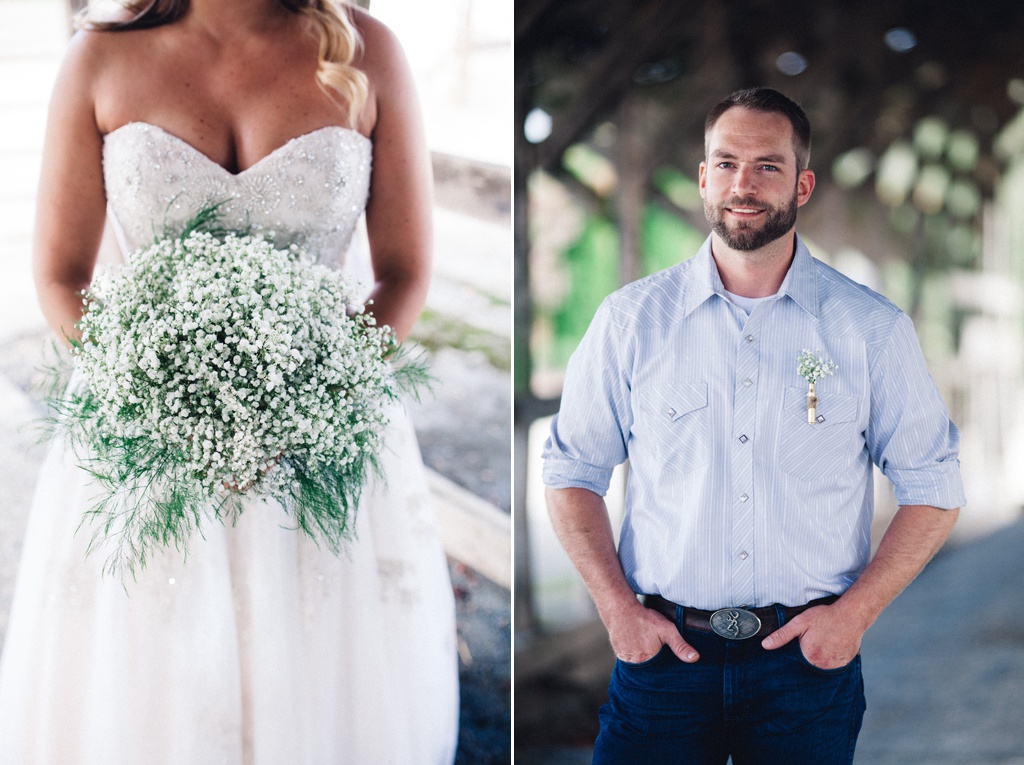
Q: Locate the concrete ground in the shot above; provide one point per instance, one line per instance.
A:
(943, 669)
(464, 426)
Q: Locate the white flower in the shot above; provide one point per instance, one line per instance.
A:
(813, 367)
(201, 331)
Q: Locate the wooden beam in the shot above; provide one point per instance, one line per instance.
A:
(474, 531)
(646, 29)
(527, 15)
(480, 189)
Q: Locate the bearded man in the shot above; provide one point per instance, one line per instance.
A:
(752, 389)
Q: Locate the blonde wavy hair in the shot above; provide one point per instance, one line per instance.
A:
(340, 41)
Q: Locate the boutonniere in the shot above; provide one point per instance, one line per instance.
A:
(812, 368)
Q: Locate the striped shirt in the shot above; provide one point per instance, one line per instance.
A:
(732, 497)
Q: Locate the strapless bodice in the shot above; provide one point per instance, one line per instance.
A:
(311, 191)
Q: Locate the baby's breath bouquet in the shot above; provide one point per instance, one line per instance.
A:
(218, 366)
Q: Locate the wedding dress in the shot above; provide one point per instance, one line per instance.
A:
(260, 647)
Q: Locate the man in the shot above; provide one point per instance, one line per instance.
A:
(749, 502)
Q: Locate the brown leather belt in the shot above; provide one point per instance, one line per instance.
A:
(696, 619)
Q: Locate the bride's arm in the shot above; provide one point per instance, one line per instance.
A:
(70, 206)
(398, 213)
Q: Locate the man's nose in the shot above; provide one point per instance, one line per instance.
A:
(744, 182)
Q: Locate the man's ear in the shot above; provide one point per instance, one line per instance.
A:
(804, 187)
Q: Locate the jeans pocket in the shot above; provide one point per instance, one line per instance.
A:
(821, 670)
(646, 662)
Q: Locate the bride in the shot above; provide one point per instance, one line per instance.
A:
(292, 115)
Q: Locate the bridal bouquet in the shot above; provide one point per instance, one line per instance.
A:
(218, 367)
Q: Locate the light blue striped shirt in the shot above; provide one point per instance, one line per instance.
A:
(732, 497)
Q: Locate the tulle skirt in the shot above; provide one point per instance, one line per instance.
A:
(260, 648)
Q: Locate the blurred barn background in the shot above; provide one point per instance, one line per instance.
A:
(918, 148)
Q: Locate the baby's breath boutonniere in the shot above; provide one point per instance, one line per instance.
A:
(812, 368)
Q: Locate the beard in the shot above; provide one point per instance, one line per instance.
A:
(746, 237)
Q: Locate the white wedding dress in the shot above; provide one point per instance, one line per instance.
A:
(261, 647)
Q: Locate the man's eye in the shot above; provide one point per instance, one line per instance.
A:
(770, 168)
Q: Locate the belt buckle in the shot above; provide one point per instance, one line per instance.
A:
(735, 623)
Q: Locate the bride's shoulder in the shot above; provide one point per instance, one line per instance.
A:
(96, 67)
(366, 23)
(380, 49)
(95, 50)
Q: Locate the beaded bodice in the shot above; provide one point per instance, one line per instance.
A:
(310, 191)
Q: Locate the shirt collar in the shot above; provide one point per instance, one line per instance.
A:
(800, 283)
(705, 281)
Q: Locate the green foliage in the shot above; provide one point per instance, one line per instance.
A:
(435, 331)
(593, 266)
(667, 239)
(594, 270)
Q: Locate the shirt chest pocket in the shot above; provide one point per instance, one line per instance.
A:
(817, 451)
(672, 428)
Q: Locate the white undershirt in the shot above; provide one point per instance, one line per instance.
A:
(748, 304)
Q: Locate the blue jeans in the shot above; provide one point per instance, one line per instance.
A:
(760, 707)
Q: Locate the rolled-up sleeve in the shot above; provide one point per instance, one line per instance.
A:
(910, 436)
(589, 433)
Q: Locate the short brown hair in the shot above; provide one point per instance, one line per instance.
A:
(771, 101)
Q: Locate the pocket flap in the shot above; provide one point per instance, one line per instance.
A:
(682, 398)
